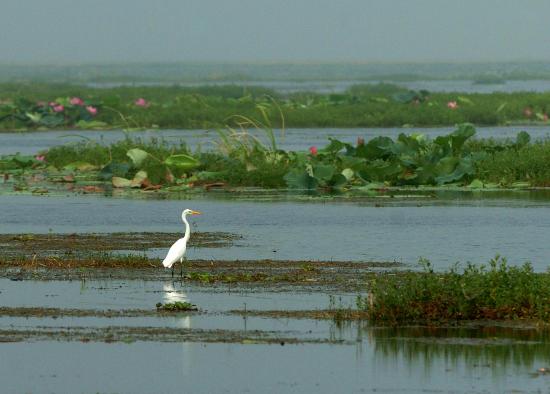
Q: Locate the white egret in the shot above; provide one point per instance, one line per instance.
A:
(177, 250)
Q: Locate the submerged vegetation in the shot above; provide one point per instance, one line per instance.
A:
(47, 106)
(477, 292)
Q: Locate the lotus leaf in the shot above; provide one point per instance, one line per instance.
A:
(300, 179)
(476, 184)
(182, 162)
(337, 181)
(376, 148)
(137, 156)
(52, 120)
(323, 171)
(34, 116)
(139, 179)
(114, 169)
(121, 182)
(380, 170)
(347, 173)
(80, 166)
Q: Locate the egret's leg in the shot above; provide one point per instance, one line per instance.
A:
(181, 268)
(172, 271)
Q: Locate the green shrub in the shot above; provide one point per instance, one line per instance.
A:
(497, 292)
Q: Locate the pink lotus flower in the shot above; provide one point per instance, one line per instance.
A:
(58, 108)
(360, 141)
(528, 112)
(545, 117)
(141, 102)
(452, 105)
(313, 150)
(52, 104)
(91, 110)
(40, 158)
(76, 101)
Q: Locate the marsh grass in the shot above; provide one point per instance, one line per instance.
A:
(529, 163)
(496, 291)
(249, 156)
(211, 107)
(98, 153)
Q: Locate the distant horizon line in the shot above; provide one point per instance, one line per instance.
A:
(275, 62)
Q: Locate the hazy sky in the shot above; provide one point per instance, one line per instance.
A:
(99, 31)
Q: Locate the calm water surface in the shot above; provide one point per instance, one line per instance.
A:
(293, 139)
(323, 87)
(372, 364)
(458, 230)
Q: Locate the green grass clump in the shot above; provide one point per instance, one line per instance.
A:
(177, 306)
(100, 154)
(495, 292)
(527, 164)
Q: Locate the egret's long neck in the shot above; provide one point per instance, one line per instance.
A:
(187, 228)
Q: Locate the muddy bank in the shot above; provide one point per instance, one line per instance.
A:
(273, 274)
(54, 313)
(339, 314)
(335, 314)
(79, 244)
(156, 334)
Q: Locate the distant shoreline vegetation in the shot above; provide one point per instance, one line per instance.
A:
(36, 106)
(234, 71)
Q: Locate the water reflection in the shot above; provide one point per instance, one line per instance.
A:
(171, 295)
(500, 348)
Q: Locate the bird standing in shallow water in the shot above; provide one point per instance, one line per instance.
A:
(177, 250)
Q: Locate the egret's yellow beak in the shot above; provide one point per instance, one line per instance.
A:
(196, 213)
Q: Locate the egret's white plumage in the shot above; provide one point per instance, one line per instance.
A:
(177, 250)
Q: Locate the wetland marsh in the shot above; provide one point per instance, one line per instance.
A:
(275, 275)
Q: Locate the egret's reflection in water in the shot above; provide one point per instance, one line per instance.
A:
(171, 295)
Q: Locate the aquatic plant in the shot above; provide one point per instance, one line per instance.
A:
(497, 291)
(455, 159)
(516, 162)
(409, 160)
(27, 107)
(177, 306)
(62, 112)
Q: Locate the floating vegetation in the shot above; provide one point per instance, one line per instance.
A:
(177, 306)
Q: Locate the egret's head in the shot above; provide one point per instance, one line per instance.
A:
(190, 212)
